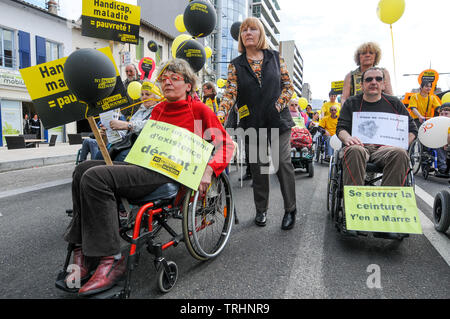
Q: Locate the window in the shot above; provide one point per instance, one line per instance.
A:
(6, 48)
(159, 54)
(51, 51)
(140, 49)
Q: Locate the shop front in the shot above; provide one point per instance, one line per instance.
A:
(16, 108)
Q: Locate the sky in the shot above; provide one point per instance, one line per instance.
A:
(328, 32)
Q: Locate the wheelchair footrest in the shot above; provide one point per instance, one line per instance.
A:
(115, 292)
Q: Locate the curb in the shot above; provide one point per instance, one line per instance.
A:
(36, 162)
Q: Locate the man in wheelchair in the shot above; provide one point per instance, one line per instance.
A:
(96, 187)
(355, 155)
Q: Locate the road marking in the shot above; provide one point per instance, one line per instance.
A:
(34, 188)
(439, 241)
(427, 198)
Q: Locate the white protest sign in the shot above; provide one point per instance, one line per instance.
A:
(381, 128)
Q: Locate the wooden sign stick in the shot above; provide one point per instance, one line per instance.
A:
(106, 157)
(100, 141)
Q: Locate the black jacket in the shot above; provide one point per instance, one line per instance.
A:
(259, 98)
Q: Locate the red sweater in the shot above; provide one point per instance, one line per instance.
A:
(183, 113)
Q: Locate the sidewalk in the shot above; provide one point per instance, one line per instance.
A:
(37, 157)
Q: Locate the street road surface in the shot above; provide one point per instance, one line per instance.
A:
(310, 261)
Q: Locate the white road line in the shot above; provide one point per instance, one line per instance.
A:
(427, 198)
(439, 241)
(35, 188)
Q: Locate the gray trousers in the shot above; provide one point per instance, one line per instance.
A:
(394, 160)
(285, 172)
(96, 189)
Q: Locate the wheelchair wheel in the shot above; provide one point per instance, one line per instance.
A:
(331, 184)
(207, 222)
(441, 211)
(167, 281)
(310, 169)
(414, 152)
(317, 151)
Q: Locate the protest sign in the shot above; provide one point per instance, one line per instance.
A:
(381, 209)
(172, 151)
(111, 20)
(146, 66)
(381, 128)
(337, 86)
(54, 102)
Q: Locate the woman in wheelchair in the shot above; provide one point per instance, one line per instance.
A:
(96, 187)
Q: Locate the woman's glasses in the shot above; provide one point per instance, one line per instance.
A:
(172, 78)
(370, 79)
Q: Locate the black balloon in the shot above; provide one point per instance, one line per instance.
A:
(193, 52)
(200, 18)
(90, 75)
(234, 30)
(152, 46)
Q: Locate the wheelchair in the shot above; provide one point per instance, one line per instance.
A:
(441, 211)
(320, 149)
(206, 227)
(335, 196)
(420, 158)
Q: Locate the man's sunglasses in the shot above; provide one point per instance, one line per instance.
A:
(370, 79)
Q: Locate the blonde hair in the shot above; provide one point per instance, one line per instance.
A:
(253, 23)
(368, 46)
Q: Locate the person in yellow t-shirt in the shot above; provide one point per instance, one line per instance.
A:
(423, 104)
(327, 126)
(211, 100)
(326, 106)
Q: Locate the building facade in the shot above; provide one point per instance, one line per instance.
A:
(294, 63)
(268, 12)
(29, 35)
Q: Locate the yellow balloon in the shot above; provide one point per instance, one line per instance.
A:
(221, 83)
(134, 90)
(208, 52)
(446, 98)
(177, 41)
(294, 96)
(303, 103)
(179, 23)
(389, 11)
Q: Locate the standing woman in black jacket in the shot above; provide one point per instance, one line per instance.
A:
(259, 87)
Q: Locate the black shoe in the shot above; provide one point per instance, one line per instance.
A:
(261, 218)
(246, 177)
(288, 220)
(442, 172)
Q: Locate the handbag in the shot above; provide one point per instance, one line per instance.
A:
(126, 143)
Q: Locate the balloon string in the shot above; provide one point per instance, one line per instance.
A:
(127, 107)
(393, 56)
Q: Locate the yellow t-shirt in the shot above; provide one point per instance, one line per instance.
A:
(217, 109)
(329, 124)
(421, 103)
(326, 108)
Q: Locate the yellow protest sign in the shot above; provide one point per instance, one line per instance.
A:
(243, 111)
(172, 151)
(54, 102)
(337, 86)
(111, 20)
(381, 209)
